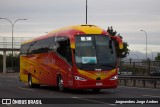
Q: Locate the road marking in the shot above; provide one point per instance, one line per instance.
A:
(112, 104)
(139, 88)
(74, 97)
(26, 89)
(151, 96)
(95, 101)
(89, 100)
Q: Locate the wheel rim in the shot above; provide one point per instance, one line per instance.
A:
(60, 84)
(30, 81)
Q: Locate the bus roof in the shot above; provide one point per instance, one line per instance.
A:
(76, 30)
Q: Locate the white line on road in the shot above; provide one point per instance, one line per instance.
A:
(26, 89)
(89, 100)
(94, 101)
(112, 104)
(151, 96)
(139, 88)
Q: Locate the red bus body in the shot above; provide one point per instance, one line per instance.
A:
(45, 65)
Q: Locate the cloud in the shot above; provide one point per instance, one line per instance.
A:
(128, 17)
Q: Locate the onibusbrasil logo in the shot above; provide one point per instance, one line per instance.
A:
(21, 101)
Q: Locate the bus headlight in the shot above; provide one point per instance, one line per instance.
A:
(80, 78)
(114, 77)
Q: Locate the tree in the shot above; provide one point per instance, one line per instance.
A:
(157, 57)
(122, 53)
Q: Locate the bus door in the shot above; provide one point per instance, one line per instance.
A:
(64, 50)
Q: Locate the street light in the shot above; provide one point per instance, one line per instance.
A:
(146, 42)
(151, 52)
(86, 11)
(12, 24)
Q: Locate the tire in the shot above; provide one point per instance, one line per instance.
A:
(30, 83)
(96, 90)
(60, 84)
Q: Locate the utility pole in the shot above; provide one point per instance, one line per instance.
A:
(12, 25)
(86, 12)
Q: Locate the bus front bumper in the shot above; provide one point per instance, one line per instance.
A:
(98, 84)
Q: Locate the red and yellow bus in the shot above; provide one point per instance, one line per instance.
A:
(76, 57)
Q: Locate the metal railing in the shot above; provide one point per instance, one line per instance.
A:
(144, 81)
(141, 73)
(6, 42)
(143, 68)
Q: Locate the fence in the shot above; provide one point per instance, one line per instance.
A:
(6, 45)
(143, 68)
(6, 42)
(140, 73)
(141, 81)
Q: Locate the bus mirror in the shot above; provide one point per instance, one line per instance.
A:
(119, 40)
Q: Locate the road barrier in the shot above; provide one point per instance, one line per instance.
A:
(141, 68)
(132, 80)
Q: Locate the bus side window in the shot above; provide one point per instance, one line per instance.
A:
(64, 48)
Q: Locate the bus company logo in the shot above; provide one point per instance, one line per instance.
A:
(6, 101)
(98, 69)
(99, 72)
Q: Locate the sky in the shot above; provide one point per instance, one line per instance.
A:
(127, 17)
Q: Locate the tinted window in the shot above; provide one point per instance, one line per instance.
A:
(24, 48)
(61, 45)
(95, 52)
(64, 48)
(42, 46)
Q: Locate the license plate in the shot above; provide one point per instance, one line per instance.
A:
(99, 84)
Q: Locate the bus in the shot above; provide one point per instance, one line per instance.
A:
(75, 57)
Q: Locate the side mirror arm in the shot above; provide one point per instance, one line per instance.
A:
(119, 40)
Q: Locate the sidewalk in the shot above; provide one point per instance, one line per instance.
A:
(9, 74)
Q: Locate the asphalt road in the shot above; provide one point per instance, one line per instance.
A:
(11, 87)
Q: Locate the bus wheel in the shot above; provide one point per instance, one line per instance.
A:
(30, 83)
(96, 90)
(60, 83)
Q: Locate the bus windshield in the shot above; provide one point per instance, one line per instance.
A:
(95, 52)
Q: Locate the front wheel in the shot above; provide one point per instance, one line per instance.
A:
(30, 83)
(60, 84)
